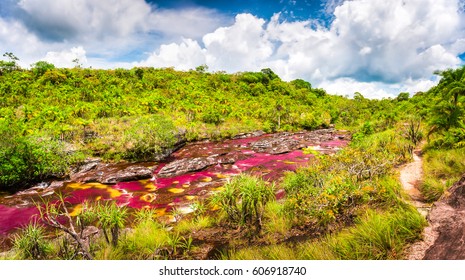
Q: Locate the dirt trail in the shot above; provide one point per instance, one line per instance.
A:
(411, 175)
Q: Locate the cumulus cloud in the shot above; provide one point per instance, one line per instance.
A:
(372, 46)
(14, 37)
(89, 20)
(240, 47)
(186, 55)
(190, 22)
(69, 19)
(67, 58)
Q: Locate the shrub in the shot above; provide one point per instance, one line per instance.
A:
(31, 158)
(148, 137)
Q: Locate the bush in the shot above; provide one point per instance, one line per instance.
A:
(148, 137)
(212, 116)
(31, 158)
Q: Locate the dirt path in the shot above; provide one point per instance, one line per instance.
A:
(411, 175)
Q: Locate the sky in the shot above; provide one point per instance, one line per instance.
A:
(376, 47)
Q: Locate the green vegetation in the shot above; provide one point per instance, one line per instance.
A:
(31, 243)
(353, 198)
(442, 168)
(375, 236)
(244, 200)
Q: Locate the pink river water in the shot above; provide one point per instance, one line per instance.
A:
(165, 194)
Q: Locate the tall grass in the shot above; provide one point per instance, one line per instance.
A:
(442, 168)
(276, 220)
(141, 242)
(112, 219)
(30, 243)
(376, 235)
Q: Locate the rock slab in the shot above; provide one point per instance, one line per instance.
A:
(447, 218)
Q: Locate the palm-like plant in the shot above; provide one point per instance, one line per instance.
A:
(452, 84)
(244, 200)
(447, 110)
(111, 217)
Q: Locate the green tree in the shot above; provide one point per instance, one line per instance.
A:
(40, 67)
(447, 108)
(452, 84)
(10, 65)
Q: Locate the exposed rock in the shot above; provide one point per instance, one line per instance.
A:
(113, 173)
(248, 135)
(89, 231)
(278, 144)
(285, 142)
(185, 165)
(88, 165)
(447, 219)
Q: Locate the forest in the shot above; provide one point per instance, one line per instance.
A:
(347, 205)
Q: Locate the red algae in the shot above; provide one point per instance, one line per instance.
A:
(12, 218)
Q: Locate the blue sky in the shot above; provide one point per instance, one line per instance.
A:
(375, 47)
(293, 10)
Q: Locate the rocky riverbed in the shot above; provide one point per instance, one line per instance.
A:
(191, 173)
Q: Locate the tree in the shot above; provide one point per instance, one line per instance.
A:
(202, 68)
(301, 84)
(446, 112)
(269, 74)
(452, 84)
(403, 96)
(40, 67)
(11, 65)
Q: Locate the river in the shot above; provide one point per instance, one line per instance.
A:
(190, 174)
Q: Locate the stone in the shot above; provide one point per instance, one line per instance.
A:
(278, 144)
(185, 165)
(447, 219)
(114, 173)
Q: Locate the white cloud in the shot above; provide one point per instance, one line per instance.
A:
(86, 19)
(239, 47)
(378, 90)
(186, 55)
(67, 58)
(188, 22)
(348, 86)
